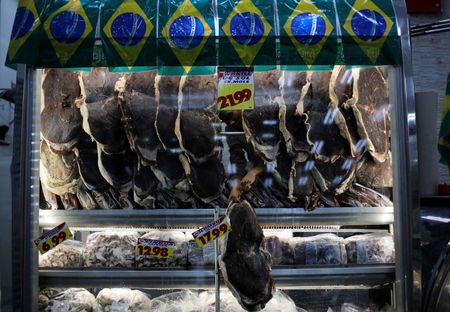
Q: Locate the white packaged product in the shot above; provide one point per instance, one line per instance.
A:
(68, 254)
(111, 249)
(121, 300)
(180, 251)
(68, 300)
(370, 248)
(184, 301)
(200, 256)
(279, 246)
(319, 249)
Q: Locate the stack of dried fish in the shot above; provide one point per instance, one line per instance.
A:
(111, 249)
(68, 254)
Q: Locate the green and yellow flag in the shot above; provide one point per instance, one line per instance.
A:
(369, 32)
(444, 133)
(247, 26)
(67, 28)
(308, 34)
(127, 28)
(25, 23)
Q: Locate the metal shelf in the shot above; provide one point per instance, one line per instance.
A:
(193, 218)
(285, 277)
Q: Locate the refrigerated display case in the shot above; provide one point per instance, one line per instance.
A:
(122, 135)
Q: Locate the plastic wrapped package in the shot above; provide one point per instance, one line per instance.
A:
(68, 254)
(110, 249)
(209, 254)
(370, 248)
(279, 303)
(122, 300)
(320, 249)
(279, 246)
(68, 300)
(180, 252)
(195, 253)
(184, 301)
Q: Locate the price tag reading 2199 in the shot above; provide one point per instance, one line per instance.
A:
(235, 98)
(211, 232)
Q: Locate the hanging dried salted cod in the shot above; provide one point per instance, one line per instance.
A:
(102, 120)
(87, 158)
(261, 125)
(59, 175)
(370, 104)
(373, 174)
(60, 116)
(194, 128)
(292, 119)
(136, 93)
(245, 266)
(341, 89)
(361, 196)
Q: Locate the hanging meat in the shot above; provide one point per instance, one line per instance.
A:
(60, 116)
(261, 125)
(243, 259)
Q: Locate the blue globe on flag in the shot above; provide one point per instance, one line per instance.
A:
(247, 28)
(128, 29)
(67, 27)
(23, 22)
(186, 32)
(368, 25)
(308, 28)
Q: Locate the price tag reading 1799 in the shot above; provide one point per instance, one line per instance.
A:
(235, 90)
(211, 232)
(53, 238)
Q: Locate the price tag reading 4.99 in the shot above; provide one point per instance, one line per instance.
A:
(53, 238)
(154, 248)
(211, 232)
(235, 90)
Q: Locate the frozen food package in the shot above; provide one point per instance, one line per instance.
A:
(68, 254)
(184, 301)
(209, 254)
(122, 300)
(279, 246)
(180, 251)
(111, 249)
(370, 248)
(195, 253)
(320, 249)
(66, 300)
(279, 303)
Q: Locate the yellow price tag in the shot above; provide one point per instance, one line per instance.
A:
(212, 231)
(154, 248)
(235, 90)
(53, 238)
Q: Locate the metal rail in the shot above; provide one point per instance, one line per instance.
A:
(194, 218)
(285, 277)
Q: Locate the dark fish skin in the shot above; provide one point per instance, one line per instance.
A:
(245, 266)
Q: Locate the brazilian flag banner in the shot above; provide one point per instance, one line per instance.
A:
(369, 32)
(69, 28)
(128, 31)
(247, 33)
(186, 36)
(26, 33)
(308, 33)
(444, 133)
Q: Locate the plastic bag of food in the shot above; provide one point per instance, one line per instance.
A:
(370, 248)
(184, 301)
(66, 300)
(320, 249)
(68, 254)
(195, 253)
(349, 307)
(279, 246)
(111, 249)
(180, 250)
(121, 300)
(279, 303)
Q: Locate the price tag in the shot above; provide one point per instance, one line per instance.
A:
(154, 248)
(211, 232)
(53, 238)
(235, 89)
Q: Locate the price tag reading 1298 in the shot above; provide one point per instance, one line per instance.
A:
(211, 232)
(235, 90)
(154, 248)
(53, 238)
